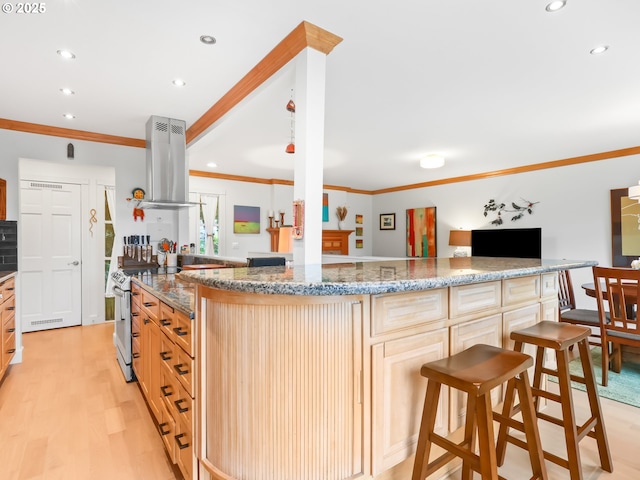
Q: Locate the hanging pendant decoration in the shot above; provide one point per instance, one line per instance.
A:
(291, 108)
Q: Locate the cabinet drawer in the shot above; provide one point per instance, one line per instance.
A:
(478, 297)
(183, 332)
(6, 289)
(549, 284)
(8, 308)
(167, 429)
(184, 449)
(396, 311)
(135, 293)
(168, 389)
(183, 369)
(522, 289)
(150, 305)
(167, 352)
(8, 346)
(183, 406)
(135, 325)
(136, 360)
(167, 322)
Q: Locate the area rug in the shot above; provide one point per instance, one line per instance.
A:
(623, 387)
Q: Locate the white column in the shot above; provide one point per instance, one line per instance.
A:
(309, 155)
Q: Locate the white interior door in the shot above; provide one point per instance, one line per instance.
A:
(50, 253)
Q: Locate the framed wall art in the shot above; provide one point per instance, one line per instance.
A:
(246, 219)
(625, 232)
(421, 232)
(387, 221)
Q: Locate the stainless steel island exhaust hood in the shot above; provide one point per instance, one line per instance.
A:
(167, 171)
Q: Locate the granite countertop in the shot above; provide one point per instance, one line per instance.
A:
(7, 275)
(375, 277)
(171, 289)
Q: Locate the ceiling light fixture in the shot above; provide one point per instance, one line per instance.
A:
(432, 161)
(599, 50)
(67, 91)
(207, 39)
(66, 54)
(556, 5)
(179, 83)
(212, 165)
(69, 116)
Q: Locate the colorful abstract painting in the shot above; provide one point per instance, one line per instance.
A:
(325, 207)
(421, 232)
(246, 219)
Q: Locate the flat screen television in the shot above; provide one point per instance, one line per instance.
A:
(507, 242)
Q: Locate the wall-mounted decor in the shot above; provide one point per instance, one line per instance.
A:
(359, 231)
(387, 221)
(421, 232)
(325, 207)
(519, 210)
(246, 219)
(358, 219)
(625, 228)
(359, 243)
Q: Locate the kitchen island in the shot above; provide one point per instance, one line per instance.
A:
(312, 372)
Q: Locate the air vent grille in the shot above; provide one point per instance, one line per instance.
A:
(162, 126)
(177, 129)
(45, 185)
(50, 320)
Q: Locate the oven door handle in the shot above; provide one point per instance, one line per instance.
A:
(118, 291)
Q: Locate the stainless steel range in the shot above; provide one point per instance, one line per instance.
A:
(122, 329)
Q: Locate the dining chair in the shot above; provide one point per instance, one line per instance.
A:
(576, 316)
(617, 292)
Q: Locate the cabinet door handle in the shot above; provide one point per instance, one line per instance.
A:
(181, 445)
(146, 320)
(181, 409)
(162, 431)
(165, 323)
(164, 391)
(11, 288)
(11, 308)
(135, 334)
(180, 332)
(178, 368)
(11, 330)
(165, 356)
(148, 304)
(134, 314)
(13, 351)
(135, 294)
(135, 355)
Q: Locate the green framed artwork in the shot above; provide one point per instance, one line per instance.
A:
(246, 219)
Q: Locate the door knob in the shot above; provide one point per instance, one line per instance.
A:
(74, 263)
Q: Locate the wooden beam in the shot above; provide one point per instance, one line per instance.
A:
(70, 133)
(304, 35)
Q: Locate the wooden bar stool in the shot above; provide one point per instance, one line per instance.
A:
(559, 337)
(476, 371)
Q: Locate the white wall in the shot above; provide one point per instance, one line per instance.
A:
(573, 210)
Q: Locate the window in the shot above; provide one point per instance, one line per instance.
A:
(109, 237)
(206, 234)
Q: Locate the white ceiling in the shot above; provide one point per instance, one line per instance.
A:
(489, 84)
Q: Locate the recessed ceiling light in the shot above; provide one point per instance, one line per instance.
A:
(212, 165)
(207, 39)
(67, 91)
(555, 5)
(69, 116)
(66, 54)
(599, 50)
(179, 83)
(432, 161)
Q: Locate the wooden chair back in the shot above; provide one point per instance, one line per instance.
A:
(566, 300)
(617, 293)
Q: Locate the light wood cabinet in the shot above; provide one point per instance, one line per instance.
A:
(8, 323)
(165, 366)
(336, 241)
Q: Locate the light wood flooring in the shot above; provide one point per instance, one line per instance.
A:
(67, 413)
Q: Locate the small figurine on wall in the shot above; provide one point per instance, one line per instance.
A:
(138, 194)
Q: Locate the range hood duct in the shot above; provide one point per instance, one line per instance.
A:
(167, 172)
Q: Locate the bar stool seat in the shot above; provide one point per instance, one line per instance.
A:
(476, 371)
(559, 337)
